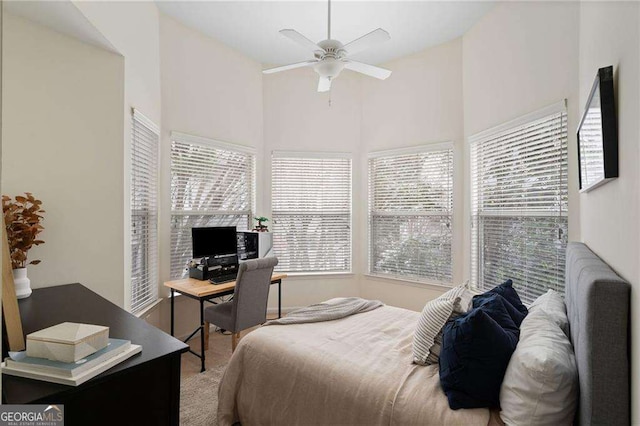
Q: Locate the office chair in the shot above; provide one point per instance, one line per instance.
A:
(249, 305)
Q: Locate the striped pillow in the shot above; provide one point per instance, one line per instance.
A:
(427, 339)
(434, 352)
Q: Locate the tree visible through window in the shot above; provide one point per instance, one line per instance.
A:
(410, 214)
(311, 207)
(212, 184)
(519, 204)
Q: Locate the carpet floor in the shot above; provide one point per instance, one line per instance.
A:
(199, 391)
(199, 397)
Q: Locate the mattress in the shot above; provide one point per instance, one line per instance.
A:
(356, 370)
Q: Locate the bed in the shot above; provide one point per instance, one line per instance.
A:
(358, 370)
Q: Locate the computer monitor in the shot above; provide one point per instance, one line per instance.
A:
(214, 241)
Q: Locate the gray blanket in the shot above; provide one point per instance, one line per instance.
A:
(330, 310)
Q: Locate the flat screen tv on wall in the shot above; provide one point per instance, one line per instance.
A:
(598, 134)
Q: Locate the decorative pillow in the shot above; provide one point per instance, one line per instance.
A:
(466, 296)
(434, 352)
(500, 310)
(507, 291)
(540, 385)
(435, 314)
(553, 305)
(475, 354)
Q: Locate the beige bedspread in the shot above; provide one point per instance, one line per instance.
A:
(352, 371)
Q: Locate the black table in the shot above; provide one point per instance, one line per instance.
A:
(143, 390)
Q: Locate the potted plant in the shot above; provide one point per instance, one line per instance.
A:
(22, 218)
(261, 227)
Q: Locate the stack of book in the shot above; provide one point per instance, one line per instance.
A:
(69, 354)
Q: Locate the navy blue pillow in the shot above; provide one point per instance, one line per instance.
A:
(499, 308)
(475, 353)
(507, 291)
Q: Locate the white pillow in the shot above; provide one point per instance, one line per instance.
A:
(435, 314)
(552, 303)
(540, 386)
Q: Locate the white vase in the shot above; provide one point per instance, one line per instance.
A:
(22, 283)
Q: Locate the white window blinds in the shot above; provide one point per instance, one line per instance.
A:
(212, 184)
(519, 203)
(144, 212)
(410, 213)
(311, 208)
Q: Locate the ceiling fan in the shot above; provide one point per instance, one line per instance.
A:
(331, 56)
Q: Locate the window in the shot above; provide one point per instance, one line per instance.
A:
(410, 213)
(519, 203)
(311, 208)
(212, 184)
(144, 212)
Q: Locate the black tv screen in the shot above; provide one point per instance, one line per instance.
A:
(214, 241)
(598, 134)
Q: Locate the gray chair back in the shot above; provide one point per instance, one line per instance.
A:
(252, 292)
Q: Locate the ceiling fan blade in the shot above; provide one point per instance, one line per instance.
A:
(367, 41)
(324, 84)
(370, 70)
(289, 67)
(301, 40)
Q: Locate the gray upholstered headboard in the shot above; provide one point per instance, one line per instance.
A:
(598, 308)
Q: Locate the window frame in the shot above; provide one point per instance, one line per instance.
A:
(151, 213)
(203, 214)
(503, 130)
(411, 279)
(315, 155)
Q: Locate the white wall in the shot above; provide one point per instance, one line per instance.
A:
(62, 140)
(208, 90)
(133, 29)
(609, 35)
(520, 57)
(421, 103)
(298, 118)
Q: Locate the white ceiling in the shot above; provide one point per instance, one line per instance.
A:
(251, 27)
(62, 16)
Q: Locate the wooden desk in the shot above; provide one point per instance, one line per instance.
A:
(204, 291)
(144, 389)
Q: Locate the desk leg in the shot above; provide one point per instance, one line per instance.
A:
(279, 298)
(202, 332)
(173, 293)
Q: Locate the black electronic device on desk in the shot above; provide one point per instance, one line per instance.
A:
(214, 241)
(221, 279)
(223, 269)
(218, 249)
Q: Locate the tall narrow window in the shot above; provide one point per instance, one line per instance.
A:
(212, 184)
(311, 207)
(410, 213)
(144, 212)
(519, 203)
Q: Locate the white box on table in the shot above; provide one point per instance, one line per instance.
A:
(67, 342)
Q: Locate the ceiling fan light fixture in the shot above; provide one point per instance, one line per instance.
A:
(329, 68)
